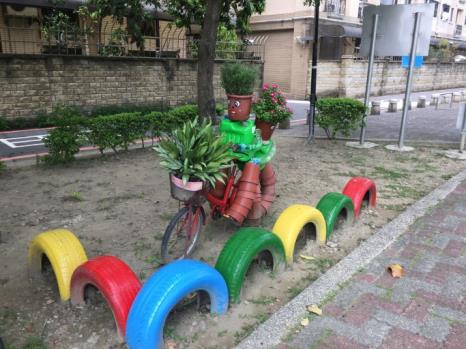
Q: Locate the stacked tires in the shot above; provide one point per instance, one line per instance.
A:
(140, 311)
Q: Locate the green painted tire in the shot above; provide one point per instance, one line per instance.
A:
(331, 205)
(240, 250)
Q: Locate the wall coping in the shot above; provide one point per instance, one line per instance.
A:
(113, 58)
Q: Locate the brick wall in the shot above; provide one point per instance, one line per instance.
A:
(29, 84)
(348, 77)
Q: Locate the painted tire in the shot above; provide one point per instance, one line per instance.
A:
(64, 252)
(162, 291)
(238, 253)
(290, 223)
(331, 205)
(357, 188)
(114, 279)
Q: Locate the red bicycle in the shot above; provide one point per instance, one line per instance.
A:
(182, 233)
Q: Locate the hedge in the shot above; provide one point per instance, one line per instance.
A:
(114, 132)
(339, 115)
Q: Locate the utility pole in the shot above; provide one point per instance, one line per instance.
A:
(313, 94)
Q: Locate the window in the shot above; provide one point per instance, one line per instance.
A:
(445, 12)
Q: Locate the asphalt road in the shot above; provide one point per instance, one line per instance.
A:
(22, 142)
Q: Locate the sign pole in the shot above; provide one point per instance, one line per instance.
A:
(412, 57)
(313, 92)
(463, 132)
(369, 77)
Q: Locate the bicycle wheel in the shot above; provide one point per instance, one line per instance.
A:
(181, 234)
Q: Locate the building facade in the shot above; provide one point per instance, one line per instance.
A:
(286, 26)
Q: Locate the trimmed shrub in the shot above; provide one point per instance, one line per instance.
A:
(128, 108)
(339, 115)
(179, 115)
(238, 79)
(64, 141)
(115, 131)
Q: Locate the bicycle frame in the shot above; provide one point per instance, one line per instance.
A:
(221, 205)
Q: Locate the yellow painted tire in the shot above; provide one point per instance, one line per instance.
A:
(290, 223)
(65, 253)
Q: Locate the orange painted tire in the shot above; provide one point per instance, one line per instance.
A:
(357, 188)
(114, 279)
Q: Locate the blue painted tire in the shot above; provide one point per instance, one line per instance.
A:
(162, 291)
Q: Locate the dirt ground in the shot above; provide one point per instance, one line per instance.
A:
(121, 204)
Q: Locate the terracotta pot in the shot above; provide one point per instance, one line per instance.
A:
(236, 217)
(266, 129)
(249, 187)
(257, 212)
(243, 202)
(239, 107)
(247, 194)
(251, 172)
(267, 171)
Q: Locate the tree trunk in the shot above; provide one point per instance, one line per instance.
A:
(206, 62)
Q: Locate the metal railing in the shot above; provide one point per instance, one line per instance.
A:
(30, 40)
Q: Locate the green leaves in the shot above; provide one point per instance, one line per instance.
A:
(238, 79)
(339, 115)
(193, 151)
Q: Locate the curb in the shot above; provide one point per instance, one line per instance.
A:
(271, 332)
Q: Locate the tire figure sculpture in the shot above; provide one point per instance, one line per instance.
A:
(162, 291)
(332, 205)
(114, 279)
(357, 189)
(291, 222)
(240, 250)
(64, 252)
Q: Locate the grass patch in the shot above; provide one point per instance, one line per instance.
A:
(263, 300)
(382, 172)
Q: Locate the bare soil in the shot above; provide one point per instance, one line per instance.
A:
(120, 205)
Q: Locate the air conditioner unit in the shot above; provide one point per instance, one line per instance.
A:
(22, 11)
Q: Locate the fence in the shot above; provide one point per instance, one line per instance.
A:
(31, 40)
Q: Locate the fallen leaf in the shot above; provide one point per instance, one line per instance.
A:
(314, 309)
(396, 270)
(308, 258)
(171, 344)
(305, 322)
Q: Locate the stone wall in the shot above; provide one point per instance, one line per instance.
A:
(29, 84)
(348, 77)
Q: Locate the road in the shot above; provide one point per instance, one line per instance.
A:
(17, 143)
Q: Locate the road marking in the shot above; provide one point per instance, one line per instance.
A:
(23, 142)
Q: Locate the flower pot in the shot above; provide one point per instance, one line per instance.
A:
(266, 129)
(250, 174)
(239, 107)
(192, 191)
(247, 187)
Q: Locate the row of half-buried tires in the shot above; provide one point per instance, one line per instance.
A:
(140, 312)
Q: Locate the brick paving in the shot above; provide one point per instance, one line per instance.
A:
(424, 309)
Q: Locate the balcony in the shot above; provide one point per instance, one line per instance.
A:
(334, 8)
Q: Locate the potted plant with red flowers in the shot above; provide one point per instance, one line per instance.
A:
(270, 110)
(238, 80)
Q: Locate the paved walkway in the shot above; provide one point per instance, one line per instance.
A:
(424, 309)
(426, 125)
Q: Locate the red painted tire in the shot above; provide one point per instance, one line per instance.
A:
(114, 279)
(357, 188)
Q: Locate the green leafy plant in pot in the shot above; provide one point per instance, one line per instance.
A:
(195, 158)
(270, 110)
(238, 81)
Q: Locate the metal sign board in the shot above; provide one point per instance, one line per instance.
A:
(395, 29)
(461, 120)
(418, 61)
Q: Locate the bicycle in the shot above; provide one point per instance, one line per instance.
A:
(182, 233)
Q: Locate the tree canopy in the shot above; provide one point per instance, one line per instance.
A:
(234, 14)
